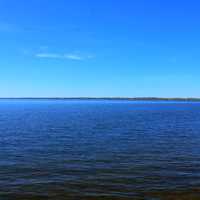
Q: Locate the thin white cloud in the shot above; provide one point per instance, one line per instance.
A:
(48, 55)
(73, 57)
(62, 56)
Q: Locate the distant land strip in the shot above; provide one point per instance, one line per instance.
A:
(104, 98)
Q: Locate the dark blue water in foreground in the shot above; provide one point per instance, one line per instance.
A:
(56, 149)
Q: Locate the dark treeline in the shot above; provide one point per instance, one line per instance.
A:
(106, 98)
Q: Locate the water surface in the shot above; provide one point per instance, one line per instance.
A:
(87, 149)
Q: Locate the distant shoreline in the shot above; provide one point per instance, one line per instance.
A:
(104, 98)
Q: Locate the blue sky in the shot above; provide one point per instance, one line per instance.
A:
(127, 48)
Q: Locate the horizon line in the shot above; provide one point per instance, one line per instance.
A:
(107, 98)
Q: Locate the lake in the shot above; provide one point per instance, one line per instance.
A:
(99, 149)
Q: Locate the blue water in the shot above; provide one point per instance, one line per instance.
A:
(73, 149)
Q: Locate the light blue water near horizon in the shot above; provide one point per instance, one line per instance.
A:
(65, 149)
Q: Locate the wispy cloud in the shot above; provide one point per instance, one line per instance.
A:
(73, 57)
(48, 55)
(62, 56)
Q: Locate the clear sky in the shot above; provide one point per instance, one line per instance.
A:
(70, 48)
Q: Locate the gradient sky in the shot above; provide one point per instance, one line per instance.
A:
(70, 48)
